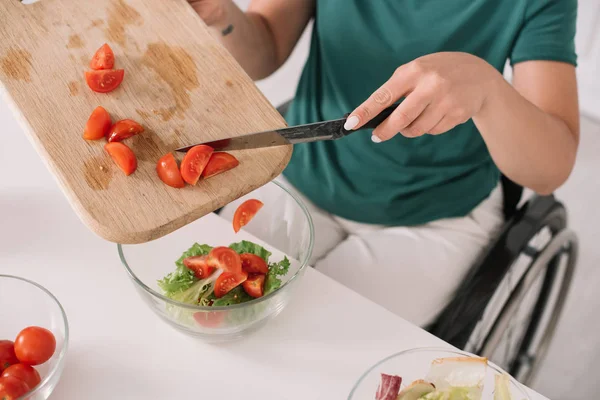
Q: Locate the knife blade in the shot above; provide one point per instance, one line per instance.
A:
(318, 131)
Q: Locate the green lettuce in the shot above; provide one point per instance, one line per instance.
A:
(276, 270)
(182, 278)
(252, 248)
(235, 296)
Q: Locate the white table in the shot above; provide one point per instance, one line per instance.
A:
(316, 349)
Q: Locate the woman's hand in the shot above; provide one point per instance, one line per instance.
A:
(211, 11)
(441, 90)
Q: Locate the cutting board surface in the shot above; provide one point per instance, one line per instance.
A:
(180, 83)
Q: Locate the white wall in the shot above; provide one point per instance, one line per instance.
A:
(588, 49)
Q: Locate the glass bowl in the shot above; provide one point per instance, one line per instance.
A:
(24, 303)
(283, 226)
(414, 364)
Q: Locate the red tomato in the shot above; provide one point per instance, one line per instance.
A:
(123, 129)
(199, 265)
(103, 59)
(219, 162)
(26, 373)
(225, 259)
(253, 264)
(97, 125)
(255, 285)
(35, 345)
(104, 81)
(245, 212)
(7, 354)
(122, 156)
(12, 388)
(210, 319)
(194, 162)
(168, 171)
(228, 281)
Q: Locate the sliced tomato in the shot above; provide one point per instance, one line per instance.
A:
(219, 162)
(7, 354)
(97, 125)
(199, 265)
(245, 212)
(24, 372)
(103, 59)
(124, 129)
(225, 259)
(104, 81)
(12, 388)
(228, 281)
(253, 264)
(122, 156)
(255, 285)
(194, 162)
(209, 319)
(168, 171)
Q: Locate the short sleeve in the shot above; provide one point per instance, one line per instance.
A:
(547, 33)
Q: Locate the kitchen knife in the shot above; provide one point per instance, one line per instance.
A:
(327, 130)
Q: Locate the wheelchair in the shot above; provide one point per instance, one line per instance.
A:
(509, 304)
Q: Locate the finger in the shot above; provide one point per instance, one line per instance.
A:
(443, 126)
(396, 87)
(407, 112)
(432, 116)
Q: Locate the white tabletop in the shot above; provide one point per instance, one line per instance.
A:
(316, 349)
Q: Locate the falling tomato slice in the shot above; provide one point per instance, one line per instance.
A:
(124, 129)
(253, 264)
(255, 285)
(219, 162)
(97, 125)
(226, 259)
(104, 81)
(194, 162)
(103, 59)
(245, 212)
(199, 265)
(122, 156)
(228, 281)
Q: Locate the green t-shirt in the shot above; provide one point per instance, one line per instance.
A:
(356, 46)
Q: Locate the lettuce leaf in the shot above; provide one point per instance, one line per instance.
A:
(182, 278)
(252, 248)
(195, 250)
(276, 270)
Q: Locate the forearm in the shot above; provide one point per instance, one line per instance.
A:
(533, 148)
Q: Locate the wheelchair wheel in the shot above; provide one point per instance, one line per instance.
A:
(520, 320)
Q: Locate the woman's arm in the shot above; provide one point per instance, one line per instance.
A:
(262, 38)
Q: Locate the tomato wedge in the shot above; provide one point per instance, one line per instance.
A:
(199, 265)
(104, 81)
(97, 125)
(219, 162)
(253, 264)
(124, 129)
(168, 171)
(255, 285)
(194, 162)
(226, 259)
(122, 156)
(209, 319)
(245, 212)
(24, 372)
(103, 59)
(228, 281)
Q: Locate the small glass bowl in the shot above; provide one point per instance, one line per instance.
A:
(283, 226)
(414, 364)
(25, 303)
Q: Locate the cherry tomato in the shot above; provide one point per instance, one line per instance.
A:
(123, 129)
(104, 81)
(168, 171)
(7, 354)
(225, 259)
(103, 59)
(199, 265)
(255, 285)
(35, 345)
(219, 162)
(194, 162)
(228, 281)
(210, 319)
(122, 156)
(253, 264)
(245, 212)
(97, 125)
(26, 373)
(12, 388)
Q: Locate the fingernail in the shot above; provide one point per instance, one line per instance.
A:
(351, 123)
(375, 139)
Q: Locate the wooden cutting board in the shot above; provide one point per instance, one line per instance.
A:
(180, 83)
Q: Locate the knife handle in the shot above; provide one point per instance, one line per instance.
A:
(379, 118)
